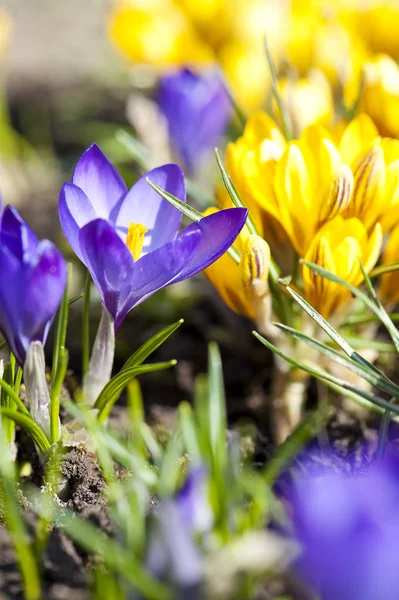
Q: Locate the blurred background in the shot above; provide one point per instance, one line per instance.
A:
(74, 72)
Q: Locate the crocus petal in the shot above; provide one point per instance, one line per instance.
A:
(219, 230)
(11, 301)
(109, 261)
(44, 288)
(159, 268)
(75, 210)
(144, 205)
(99, 180)
(17, 236)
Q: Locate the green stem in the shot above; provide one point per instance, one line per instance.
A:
(86, 326)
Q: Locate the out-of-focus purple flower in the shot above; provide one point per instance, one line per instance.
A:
(130, 240)
(197, 109)
(32, 281)
(172, 551)
(349, 529)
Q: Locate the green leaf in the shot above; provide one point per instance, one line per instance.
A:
(61, 327)
(16, 399)
(298, 439)
(114, 387)
(95, 542)
(380, 381)
(331, 332)
(151, 345)
(377, 310)
(285, 117)
(184, 208)
(381, 270)
(188, 429)
(31, 428)
(86, 325)
(233, 193)
(189, 212)
(336, 384)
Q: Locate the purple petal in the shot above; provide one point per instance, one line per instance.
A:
(144, 205)
(158, 269)
(219, 231)
(75, 210)
(197, 108)
(99, 180)
(17, 236)
(11, 302)
(44, 288)
(109, 261)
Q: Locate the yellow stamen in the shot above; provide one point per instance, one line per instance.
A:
(135, 239)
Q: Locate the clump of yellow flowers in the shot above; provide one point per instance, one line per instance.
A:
(323, 197)
(328, 197)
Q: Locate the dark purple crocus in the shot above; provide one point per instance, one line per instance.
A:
(32, 281)
(197, 109)
(349, 530)
(130, 240)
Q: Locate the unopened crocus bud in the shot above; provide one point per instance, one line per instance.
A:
(102, 359)
(36, 385)
(254, 266)
(197, 109)
(309, 100)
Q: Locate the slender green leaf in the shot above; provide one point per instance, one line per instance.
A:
(184, 208)
(382, 269)
(56, 389)
(378, 310)
(334, 383)
(114, 388)
(190, 212)
(16, 399)
(61, 326)
(233, 193)
(330, 331)
(151, 345)
(302, 435)
(94, 541)
(380, 381)
(86, 325)
(31, 428)
(285, 117)
(188, 430)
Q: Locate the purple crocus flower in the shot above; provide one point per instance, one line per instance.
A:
(32, 281)
(198, 109)
(349, 529)
(130, 240)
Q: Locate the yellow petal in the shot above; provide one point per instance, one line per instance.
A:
(339, 194)
(370, 178)
(357, 138)
(294, 196)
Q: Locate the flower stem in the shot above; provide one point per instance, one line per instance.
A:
(288, 398)
(86, 326)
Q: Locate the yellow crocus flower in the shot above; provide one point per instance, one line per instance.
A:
(308, 100)
(380, 93)
(375, 165)
(339, 246)
(291, 189)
